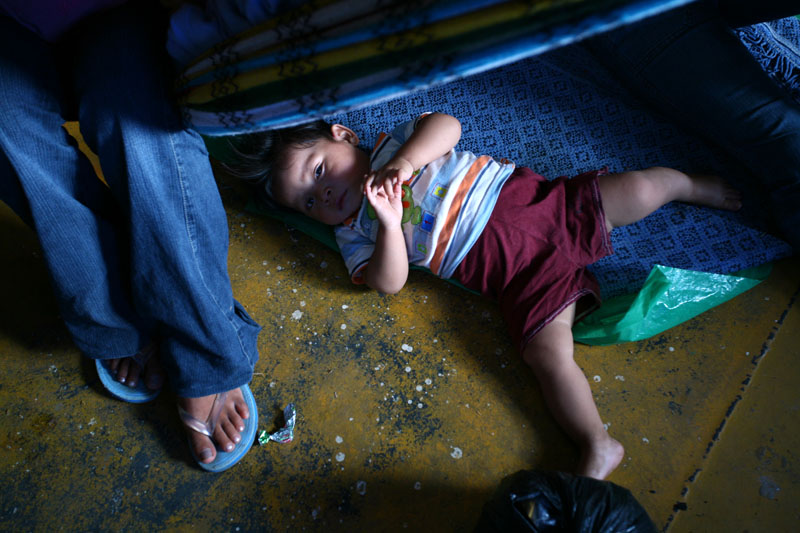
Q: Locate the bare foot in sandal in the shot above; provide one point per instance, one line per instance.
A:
(226, 430)
(128, 370)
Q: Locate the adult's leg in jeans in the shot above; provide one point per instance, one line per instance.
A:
(688, 64)
(160, 174)
(51, 186)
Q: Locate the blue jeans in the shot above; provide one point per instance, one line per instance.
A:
(688, 64)
(146, 258)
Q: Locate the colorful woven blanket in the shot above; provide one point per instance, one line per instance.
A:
(327, 56)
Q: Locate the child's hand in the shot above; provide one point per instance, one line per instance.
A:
(397, 168)
(386, 198)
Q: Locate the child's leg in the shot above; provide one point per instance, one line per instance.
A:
(567, 392)
(631, 196)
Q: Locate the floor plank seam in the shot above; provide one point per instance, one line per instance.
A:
(682, 503)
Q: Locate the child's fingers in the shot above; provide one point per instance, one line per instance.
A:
(378, 181)
(368, 188)
(388, 188)
(374, 192)
(388, 174)
(373, 199)
(369, 181)
(392, 190)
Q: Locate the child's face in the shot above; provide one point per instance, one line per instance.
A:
(324, 180)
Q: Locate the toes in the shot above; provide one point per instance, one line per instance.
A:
(223, 435)
(231, 432)
(734, 205)
(236, 420)
(128, 372)
(229, 426)
(230, 422)
(133, 373)
(123, 367)
(241, 412)
(237, 423)
(203, 448)
(732, 198)
(732, 201)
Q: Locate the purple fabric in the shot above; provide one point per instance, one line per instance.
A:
(532, 255)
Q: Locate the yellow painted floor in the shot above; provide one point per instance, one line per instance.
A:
(411, 408)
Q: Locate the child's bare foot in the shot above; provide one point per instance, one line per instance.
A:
(229, 425)
(713, 191)
(600, 458)
(127, 371)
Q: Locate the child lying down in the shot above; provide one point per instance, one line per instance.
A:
(501, 230)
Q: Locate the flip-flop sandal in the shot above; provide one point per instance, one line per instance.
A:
(224, 460)
(138, 394)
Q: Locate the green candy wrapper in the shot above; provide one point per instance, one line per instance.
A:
(286, 433)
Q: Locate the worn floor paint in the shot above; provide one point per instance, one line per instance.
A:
(411, 408)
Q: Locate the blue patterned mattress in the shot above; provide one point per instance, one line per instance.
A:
(562, 114)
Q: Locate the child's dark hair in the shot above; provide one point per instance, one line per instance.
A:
(258, 156)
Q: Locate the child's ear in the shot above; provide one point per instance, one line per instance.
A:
(343, 133)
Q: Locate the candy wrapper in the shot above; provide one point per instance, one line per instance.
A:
(284, 434)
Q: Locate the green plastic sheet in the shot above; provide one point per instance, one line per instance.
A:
(670, 296)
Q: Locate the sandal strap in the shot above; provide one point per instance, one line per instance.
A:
(207, 427)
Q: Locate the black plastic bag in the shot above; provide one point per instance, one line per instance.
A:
(533, 500)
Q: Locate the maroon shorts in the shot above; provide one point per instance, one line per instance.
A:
(532, 255)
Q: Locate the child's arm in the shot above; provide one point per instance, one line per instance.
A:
(387, 269)
(435, 135)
